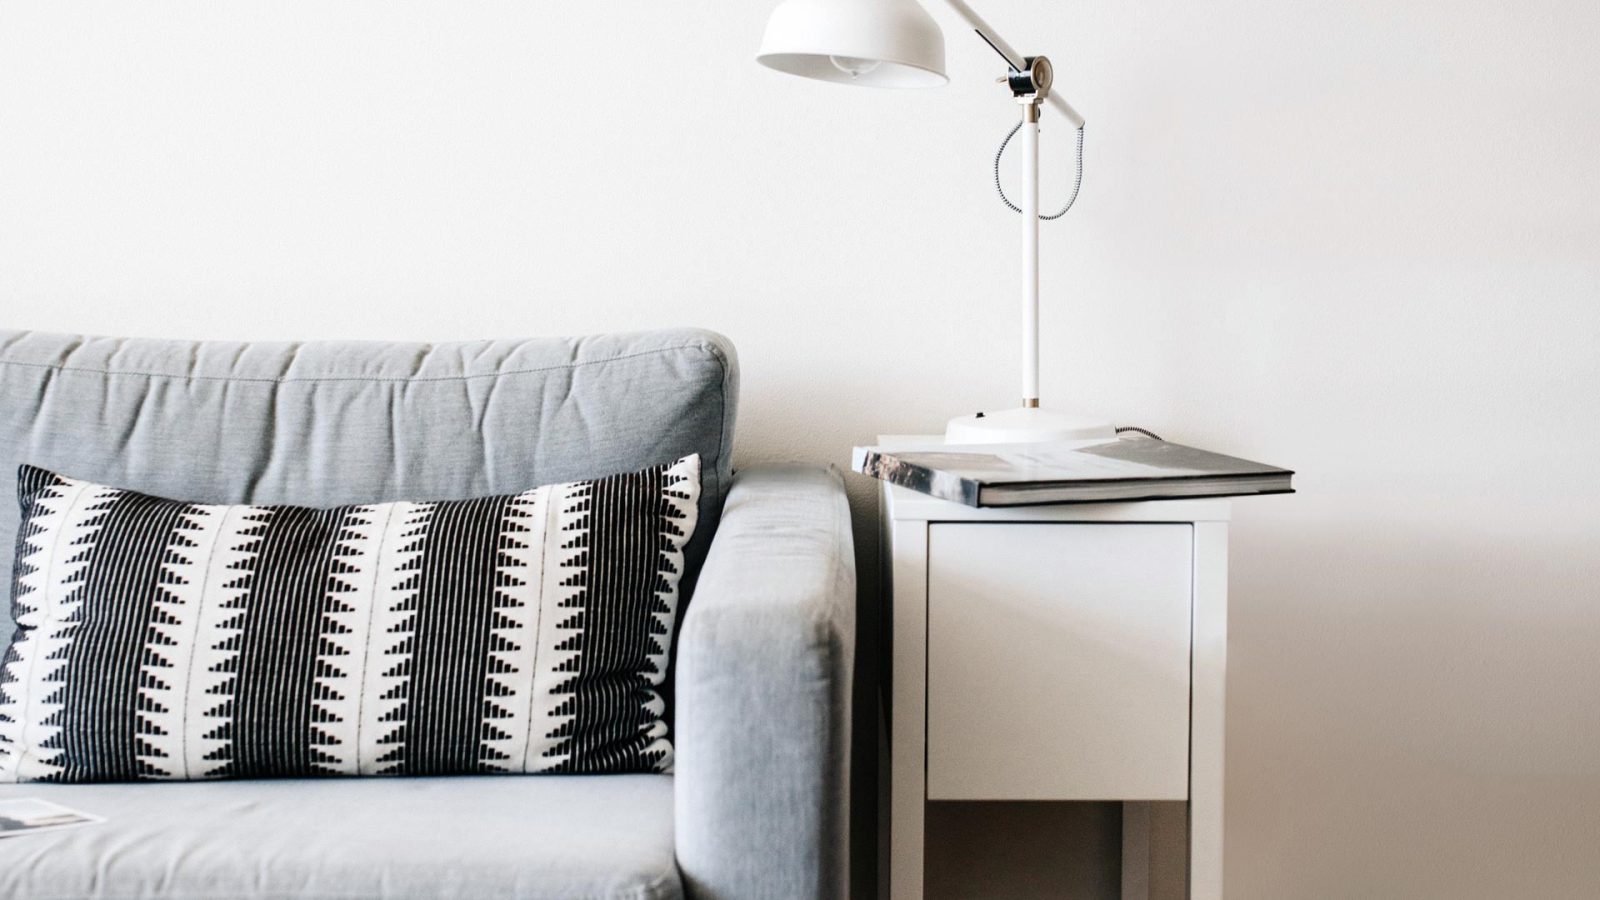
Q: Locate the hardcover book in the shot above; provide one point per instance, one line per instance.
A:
(1032, 474)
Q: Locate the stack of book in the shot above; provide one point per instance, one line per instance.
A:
(1130, 468)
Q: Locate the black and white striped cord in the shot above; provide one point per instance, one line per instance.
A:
(1077, 181)
(1134, 429)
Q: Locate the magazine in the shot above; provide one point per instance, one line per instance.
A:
(30, 816)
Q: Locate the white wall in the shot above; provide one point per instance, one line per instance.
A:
(1357, 238)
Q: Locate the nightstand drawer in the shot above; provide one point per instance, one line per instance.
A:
(1058, 661)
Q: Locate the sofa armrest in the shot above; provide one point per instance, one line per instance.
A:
(763, 694)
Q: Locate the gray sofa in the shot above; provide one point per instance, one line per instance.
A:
(758, 805)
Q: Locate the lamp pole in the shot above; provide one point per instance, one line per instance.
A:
(1030, 81)
(1030, 251)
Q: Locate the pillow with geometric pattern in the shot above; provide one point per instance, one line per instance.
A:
(159, 639)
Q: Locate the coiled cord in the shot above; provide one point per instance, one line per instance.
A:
(1134, 429)
(1077, 181)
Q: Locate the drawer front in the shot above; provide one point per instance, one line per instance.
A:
(1058, 661)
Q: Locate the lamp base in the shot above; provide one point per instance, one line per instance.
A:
(1027, 425)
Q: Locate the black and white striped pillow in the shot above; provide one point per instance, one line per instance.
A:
(169, 640)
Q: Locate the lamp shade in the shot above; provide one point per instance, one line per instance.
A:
(874, 43)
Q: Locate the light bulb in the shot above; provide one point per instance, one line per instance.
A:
(854, 66)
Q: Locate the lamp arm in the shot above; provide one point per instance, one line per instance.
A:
(1013, 59)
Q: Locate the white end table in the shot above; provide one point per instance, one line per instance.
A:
(1071, 652)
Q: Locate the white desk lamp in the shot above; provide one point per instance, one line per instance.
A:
(896, 44)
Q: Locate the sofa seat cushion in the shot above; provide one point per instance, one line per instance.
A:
(475, 838)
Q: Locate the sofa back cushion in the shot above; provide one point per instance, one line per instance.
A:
(334, 423)
(522, 633)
